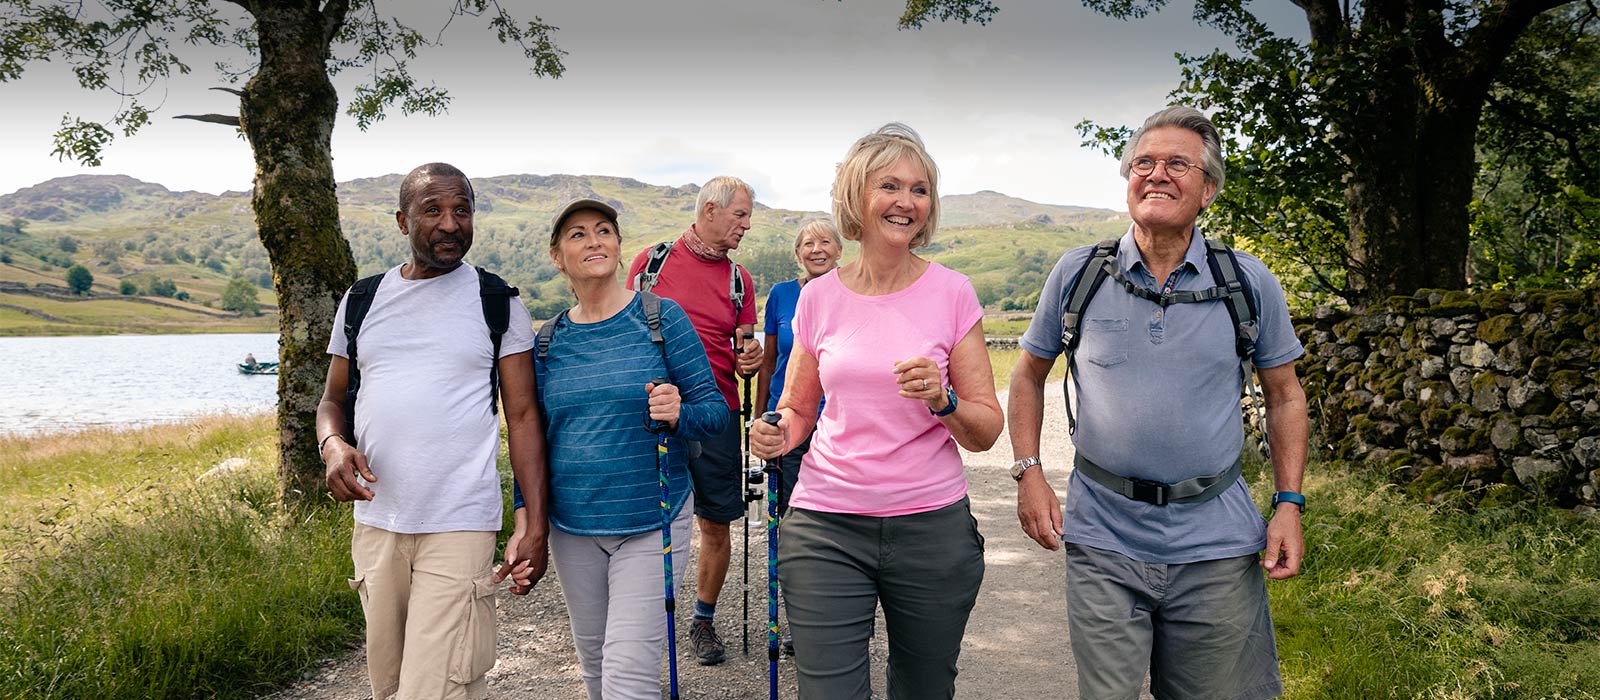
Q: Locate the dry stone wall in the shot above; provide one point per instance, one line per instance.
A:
(1486, 397)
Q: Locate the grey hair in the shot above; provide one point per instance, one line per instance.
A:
(1184, 117)
(414, 179)
(817, 226)
(720, 191)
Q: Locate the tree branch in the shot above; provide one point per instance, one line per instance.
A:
(1485, 46)
(333, 15)
(1324, 19)
(232, 91)
(224, 119)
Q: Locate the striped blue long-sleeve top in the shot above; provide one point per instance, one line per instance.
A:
(591, 388)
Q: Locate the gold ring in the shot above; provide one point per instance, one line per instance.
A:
(924, 385)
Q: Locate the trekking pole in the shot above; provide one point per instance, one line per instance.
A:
(752, 478)
(774, 495)
(660, 430)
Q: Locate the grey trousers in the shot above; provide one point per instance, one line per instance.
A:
(613, 587)
(1202, 630)
(924, 568)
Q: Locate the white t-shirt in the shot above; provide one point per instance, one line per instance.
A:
(422, 413)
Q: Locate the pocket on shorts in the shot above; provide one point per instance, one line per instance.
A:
(976, 535)
(473, 655)
(359, 585)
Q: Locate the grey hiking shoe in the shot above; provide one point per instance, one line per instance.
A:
(705, 644)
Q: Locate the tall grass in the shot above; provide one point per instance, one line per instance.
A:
(137, 581)
(1399, 599)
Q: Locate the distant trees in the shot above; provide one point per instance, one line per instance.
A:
(286, 111)
(240, 296)
(79, 280)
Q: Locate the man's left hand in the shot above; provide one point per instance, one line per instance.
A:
(1285, 545)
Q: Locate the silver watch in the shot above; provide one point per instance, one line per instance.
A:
(1020, 467)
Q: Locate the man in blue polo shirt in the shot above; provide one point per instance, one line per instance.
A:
(1162, 537)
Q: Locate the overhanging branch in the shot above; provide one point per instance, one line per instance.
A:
(225, 119)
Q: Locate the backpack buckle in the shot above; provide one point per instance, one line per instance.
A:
(1147, 491)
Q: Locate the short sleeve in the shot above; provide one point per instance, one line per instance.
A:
(967, 310)
(1043, 337)
(519, 330)
(336, 339)
(770, 322)
(1276, 344)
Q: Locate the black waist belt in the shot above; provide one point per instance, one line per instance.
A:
(1196, 490)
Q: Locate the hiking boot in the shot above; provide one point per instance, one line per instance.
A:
(705, 644)
(788, 645)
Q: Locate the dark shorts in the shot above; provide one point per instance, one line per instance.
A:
(718, 474)
(1201, 630)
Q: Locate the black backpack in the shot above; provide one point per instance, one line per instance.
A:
(494, 296)
(1232, 288)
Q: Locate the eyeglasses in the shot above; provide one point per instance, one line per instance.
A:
(1176, 167)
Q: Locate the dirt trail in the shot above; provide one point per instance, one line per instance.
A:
(1016, 643)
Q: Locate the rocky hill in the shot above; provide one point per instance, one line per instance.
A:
(122, 228)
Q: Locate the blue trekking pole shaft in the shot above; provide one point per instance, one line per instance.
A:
(748, 495)
(660, 429)
(774, 494)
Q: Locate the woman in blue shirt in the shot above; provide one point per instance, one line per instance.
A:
(593, 370)
(817, 248)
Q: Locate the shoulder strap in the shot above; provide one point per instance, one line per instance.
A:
(1241, 305)
(547, 332)
(1102, 261)
(652, 319)
(358, 303)
(651, 274)
(736, 290)
(494, 295)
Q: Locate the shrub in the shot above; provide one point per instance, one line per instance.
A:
(79, 279)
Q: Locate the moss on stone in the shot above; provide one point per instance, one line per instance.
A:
(1563, 383)
(1502, 495)
(1494, 302)
(1484, 381)
(1497, 330)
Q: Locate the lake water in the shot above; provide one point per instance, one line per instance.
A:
(121, 381)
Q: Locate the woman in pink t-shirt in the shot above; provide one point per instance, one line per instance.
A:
(880, 514)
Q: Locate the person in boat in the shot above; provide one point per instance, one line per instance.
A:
(250, 361)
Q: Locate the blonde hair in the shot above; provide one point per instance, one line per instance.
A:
(881, 149)
(817, 226)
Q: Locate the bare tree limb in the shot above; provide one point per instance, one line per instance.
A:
(224, 119)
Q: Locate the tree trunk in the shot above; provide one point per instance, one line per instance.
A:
(288, 112)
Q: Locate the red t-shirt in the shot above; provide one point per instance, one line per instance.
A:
(700, 286)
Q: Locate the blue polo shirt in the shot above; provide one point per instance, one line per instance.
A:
(1156, 395)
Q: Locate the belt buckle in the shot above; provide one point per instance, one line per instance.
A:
(1147, 491)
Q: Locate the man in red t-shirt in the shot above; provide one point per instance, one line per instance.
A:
(697, 275)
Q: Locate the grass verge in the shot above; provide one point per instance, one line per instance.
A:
(1399, 599)
(134, 579)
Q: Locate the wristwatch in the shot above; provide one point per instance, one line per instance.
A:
(1278, 497)
(949, 393)
(1020, 467)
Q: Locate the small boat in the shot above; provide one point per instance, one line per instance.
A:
(258, 368)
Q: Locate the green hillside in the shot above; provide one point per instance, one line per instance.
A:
(178, 250)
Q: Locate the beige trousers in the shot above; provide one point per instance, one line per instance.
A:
(430, 609)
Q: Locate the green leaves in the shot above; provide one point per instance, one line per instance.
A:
(919, 12)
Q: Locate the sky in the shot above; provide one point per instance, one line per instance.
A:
(672, 92)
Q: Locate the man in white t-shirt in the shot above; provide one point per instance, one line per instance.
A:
(428, 500)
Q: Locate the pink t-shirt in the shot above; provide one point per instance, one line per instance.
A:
(875, 453)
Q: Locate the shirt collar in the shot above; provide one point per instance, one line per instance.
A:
(1128, 255)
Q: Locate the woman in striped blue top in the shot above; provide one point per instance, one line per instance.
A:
(593, 370)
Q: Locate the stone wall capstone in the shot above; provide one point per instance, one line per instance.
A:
(1491, 395)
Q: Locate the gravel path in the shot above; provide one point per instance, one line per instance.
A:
(1015, 647)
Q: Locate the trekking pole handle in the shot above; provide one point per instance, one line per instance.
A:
(771, 417)
(655, 426)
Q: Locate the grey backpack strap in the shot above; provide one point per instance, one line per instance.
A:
(1102, 262)
(1242, 309)
(547, 333)
(736, 290)
(651, 304)
(651, 274)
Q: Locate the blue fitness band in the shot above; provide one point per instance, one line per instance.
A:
(1289, 497)
(949, 393)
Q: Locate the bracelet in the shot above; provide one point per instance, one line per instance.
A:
(324, 441)
(1289, 497)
